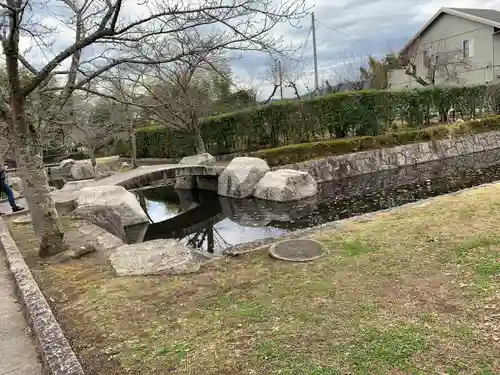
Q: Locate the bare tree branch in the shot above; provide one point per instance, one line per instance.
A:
(435, 62)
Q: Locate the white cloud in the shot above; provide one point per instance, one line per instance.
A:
(346, 30)
(352, 29)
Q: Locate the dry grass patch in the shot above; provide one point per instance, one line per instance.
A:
(415, 291)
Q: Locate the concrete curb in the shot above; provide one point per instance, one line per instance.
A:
(57, 356)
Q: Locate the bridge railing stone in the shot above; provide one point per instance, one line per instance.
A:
(148, 177)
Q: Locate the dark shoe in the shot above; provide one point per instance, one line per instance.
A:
(17, 209)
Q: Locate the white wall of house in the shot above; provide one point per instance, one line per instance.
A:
(447, 35)
(398, 79)
(496, 58)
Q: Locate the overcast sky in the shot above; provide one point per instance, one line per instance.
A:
(363, 27)
(347, 31)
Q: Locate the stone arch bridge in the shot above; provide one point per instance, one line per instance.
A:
(152, 175)
(205, 177)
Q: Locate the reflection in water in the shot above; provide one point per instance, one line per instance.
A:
(214, 223)
(201, 218)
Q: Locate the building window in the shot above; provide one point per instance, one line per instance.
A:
(466, 48)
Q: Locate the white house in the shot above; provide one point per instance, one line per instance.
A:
(457, 46)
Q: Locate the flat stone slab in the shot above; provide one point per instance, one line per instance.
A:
(157, 257)
(300, 250)
(23, 220)
(88, 234)
(73, 186)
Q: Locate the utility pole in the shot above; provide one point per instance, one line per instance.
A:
(280, 75)
(315, 55)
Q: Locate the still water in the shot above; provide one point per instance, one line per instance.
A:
(215, 223)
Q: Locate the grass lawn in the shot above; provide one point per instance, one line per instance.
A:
(414, 291)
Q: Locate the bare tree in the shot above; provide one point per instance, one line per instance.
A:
(328, 88)
(253, 81)
(292, 72)
(127, 108)
(284, 71)
(435, 62)
(180, 95)
(347, 71)
(273, 76)
(95, 124)
(114, 32)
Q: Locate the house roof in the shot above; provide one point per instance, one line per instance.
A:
(490, 17)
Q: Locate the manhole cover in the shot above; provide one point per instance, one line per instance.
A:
(297, 250)
(23, 220)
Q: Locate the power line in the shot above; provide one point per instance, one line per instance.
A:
(339, 32)
(304, 46)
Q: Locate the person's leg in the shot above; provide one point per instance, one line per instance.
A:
(8, 191)
(10, 196)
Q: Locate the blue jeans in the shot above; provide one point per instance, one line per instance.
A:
(7, 190)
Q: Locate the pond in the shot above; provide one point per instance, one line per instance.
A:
(215, 223)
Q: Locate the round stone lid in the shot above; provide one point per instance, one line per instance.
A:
(300, 250)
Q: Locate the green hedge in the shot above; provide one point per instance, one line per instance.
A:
(160, 142)
(359, 113)
(314, 150)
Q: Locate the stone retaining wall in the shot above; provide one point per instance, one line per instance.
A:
(365, 162)
(55, 352)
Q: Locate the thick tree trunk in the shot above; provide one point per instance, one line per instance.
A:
(30, 164)
(40, 203)
(133, 147)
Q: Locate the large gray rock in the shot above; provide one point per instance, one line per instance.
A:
(64, 169)
(200, 159)
(64, 201)
(82, 170)
(67, 163)
(16, 183)
(104, 217)
(189, 182)
(239, 178)
(119, 200)
(157, 257)
(86, 234)
(65, 197)
(286, 185)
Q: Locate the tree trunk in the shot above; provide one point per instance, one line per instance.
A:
(93, 160)
(36, 187)
(272, 94)
(133, 146)
(199, 142)
(411, 71)
(296, 92)
(36, 191)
